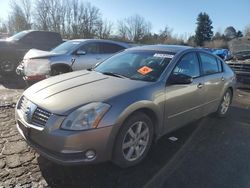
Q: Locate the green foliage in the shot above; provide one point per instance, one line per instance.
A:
(204, 28)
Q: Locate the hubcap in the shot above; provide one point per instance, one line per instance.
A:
(135, 141)
(225, 103)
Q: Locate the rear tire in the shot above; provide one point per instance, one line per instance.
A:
(133, 141)
(224, 104)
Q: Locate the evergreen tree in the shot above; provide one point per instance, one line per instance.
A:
(204, 28)
(239, 34)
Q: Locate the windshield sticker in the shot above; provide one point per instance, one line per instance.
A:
(164, 55)
(144, 70)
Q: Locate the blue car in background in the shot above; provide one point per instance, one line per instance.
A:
(224, 54)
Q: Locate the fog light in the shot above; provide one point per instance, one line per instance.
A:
(90, 154)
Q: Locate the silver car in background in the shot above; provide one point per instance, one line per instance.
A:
(115, 111)
(70, 56)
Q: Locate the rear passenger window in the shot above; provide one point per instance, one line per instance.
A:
(108, 48)
(210, 65)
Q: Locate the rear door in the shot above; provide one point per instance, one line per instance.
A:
(213, 81)
(184, 102)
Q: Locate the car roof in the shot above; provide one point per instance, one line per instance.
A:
(162, 47)
(40, 31)
(103, 40)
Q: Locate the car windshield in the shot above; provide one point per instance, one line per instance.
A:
(65, 47)
(17, 36)
(136, 65)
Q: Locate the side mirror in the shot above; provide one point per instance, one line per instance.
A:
(80, 52)
(180, 79)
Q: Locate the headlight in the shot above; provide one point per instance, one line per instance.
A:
(86, 117)
(34, 67)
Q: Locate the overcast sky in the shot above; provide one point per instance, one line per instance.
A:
(180, 15)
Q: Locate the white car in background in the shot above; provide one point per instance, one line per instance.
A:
(69, 56)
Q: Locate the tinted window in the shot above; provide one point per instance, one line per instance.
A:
(18, 36)
(188, 65)
(66, 47)
(29, 38)
(220, 65)
(91, 48)
(46, 37)
(108, 48)
(209, 64)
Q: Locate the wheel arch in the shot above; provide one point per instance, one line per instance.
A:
(66, 66)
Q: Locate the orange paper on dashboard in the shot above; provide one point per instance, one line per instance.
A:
(144, 70)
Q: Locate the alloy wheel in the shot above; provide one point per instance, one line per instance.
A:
(225, 103)
(135, 141)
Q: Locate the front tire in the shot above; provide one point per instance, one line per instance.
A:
(59, 70)
(8, 67)
(225, 104)
(133, 141)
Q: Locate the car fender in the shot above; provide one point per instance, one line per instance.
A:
(117, 117)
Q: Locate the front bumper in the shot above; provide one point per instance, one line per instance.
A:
(67, 147)
(35, 78)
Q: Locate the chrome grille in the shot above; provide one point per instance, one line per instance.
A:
(40, 117)
(23, 104)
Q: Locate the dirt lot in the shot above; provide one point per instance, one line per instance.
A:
(21, 166)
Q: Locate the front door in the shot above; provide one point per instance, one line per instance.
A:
(184, 102)
(92, 56)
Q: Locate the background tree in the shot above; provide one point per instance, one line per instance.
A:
(239, 34)
(165, 34)
(218, 36)
(104, 29)
(134, 28)
(247, 30)
(204, 28)
(18, 19)
(230, 33)
(3, 27)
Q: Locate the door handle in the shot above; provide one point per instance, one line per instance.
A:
(222, 79)
(200, 85)
(72, 61)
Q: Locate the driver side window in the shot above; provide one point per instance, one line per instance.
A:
(188, 65)
(91, 48)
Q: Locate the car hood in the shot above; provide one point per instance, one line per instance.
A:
(38, 54)
(61, 94)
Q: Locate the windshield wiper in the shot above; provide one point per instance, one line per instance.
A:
(114, 74)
